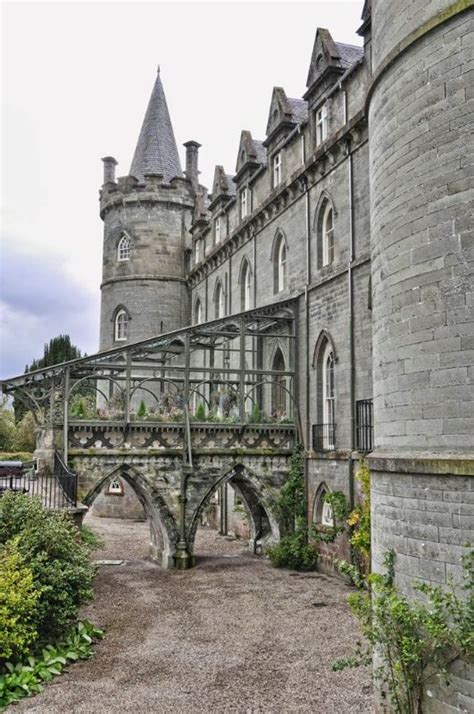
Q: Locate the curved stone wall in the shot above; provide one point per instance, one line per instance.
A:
(422, 191)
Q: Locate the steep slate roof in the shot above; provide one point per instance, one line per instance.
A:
(231, 185)
(261, 151)
(156, 151)
(349, 54)
(299, 107)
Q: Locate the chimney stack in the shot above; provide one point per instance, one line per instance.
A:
(192, 173)
(109, 169)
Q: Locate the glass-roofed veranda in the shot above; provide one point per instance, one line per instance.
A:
(233, 371)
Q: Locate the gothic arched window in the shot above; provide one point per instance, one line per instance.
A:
(324, 360)
(219, 300)
(324, 225)
(123, 249)
(280, 266)
(279, 385)
(245, 285)
(121, 325)
(322, 511)
(198, 312)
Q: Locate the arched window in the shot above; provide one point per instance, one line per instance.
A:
(322, 511)
(121, 325)
(328, 235)
(280, 267)
(115, 487)
(219, 300)
(123, 250)
(245, 285)
(324, 225)
(324, 431)
(279, 385)
(198, 312)
(328, 397)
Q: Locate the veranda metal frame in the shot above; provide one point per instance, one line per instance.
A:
(223, 356)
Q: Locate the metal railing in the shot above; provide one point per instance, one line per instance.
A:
(56, 491)
(324, 437)
(364, 427)
(67, 482)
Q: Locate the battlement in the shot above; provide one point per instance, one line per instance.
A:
(154, 188)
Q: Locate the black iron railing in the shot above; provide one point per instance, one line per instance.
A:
(67, 482)
(364, 427)
(324, 437)
(56, 491)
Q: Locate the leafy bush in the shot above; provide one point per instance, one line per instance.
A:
(16, 456)
(7, 426)
(293, 551)
(415, 640)
(18, 599)
(25, 678)
(90, 538)
(52, 548)
(141, 413)
(25, 435)
(200, 413)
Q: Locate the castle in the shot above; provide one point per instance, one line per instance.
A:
(341, 247)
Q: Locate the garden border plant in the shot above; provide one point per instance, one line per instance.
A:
(46, 576)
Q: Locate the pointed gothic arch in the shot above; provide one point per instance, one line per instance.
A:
(219, 299)
(245, 282)
(324, 228)
(163, 529)
(322, 513)
(279, 258)
(324, 361)
(124, 247)
(263, 521)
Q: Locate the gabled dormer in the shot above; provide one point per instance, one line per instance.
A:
(223, 187)
(329, 62)
(251, 156)
(284, 115)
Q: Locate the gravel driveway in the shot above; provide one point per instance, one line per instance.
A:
(231, 635)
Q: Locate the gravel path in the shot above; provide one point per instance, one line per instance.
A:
(231, 635)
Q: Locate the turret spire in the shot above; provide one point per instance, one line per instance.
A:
(156, 151)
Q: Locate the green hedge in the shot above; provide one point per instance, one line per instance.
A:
(50, 546)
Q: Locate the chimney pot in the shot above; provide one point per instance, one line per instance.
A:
(109, 169)
(192, 172)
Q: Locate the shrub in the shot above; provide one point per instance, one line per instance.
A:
(18, 599)
(52, 548)
(25, 436)
(200, 413)
(141, 413)
(294, 552)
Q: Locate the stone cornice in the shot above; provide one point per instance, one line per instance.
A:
(144, 276)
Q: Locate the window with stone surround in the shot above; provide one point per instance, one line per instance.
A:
(244, 202)
(217, 230)
(197, 251)
(277, 169)
(197, 312)
(324, 431)
(322, 511)
(121, 325)
(115, 487)
(280, 265)
(245, 285)
(325, 230)
(321, 124)
(124, 248)
(219, 300)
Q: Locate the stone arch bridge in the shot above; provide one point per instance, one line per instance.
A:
(177, 416)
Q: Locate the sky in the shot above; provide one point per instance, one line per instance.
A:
(75, 82)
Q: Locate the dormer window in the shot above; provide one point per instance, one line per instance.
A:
(321, 125)
(123, 249)
(244, 203)
(217, 230)
(277, 169)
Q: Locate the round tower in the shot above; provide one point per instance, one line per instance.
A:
(146, 219)
(420, 108)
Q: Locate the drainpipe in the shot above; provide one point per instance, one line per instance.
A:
(351, 324)
(307, 366)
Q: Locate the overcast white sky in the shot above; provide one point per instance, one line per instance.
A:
(76, 79)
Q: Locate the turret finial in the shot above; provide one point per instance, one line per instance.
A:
(158, 70)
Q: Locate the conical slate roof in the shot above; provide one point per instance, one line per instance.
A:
(156, 151)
